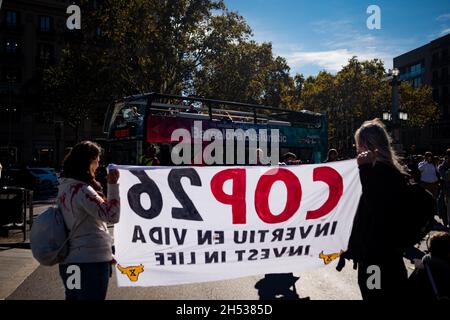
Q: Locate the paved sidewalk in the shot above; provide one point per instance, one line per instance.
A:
(16, 265)
(16, 261)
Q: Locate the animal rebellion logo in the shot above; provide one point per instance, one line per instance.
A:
(132, 272)
(327, 258)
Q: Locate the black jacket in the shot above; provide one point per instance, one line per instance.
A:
(377, 226)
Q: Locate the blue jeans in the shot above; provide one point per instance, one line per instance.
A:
(90, 283)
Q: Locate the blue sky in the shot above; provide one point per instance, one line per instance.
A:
(319, 35)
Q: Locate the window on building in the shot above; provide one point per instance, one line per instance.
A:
(11, 46)
(416, 82)
(11, 18)
(417, 68)
(45, 24)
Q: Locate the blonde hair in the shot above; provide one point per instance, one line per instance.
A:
(374, 136)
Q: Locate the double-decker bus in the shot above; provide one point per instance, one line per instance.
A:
(133, 123)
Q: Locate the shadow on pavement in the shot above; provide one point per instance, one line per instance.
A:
(278, 286)
(15, 245)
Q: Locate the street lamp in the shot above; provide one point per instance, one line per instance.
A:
(11, 80)
(403, 116)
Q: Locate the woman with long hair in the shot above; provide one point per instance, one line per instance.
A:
(87, 211)
(375, 243)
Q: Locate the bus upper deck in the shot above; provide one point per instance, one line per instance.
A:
(136, 121)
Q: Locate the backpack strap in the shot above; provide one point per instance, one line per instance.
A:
(430, 277)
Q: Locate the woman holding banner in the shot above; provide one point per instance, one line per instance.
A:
(374, 243)
(86, 269)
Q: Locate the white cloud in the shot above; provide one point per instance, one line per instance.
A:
(445, 31)
(334, 60)
(443, 17)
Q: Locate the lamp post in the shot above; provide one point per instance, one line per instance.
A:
(394, 116)
(394, 111)
(11, 80)
(58, 130)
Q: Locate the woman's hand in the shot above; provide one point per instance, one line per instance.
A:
(367, 157)
(113, 176)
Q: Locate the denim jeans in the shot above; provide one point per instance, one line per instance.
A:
(92, 283)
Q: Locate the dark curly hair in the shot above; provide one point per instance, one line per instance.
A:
(77, 164)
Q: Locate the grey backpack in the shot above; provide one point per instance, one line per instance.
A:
(49, 237)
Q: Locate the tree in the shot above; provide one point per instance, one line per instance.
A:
(247, 72)
(359, 92)
(138, 46)
(418, 103)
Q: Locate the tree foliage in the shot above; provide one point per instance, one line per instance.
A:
(199, 47)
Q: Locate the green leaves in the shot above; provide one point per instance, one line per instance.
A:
(200, 47)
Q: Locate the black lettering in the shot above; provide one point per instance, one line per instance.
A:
(263, 234)
(179, 238)
(322, 230)
(212, 257)
(277, 235)
(253, 253)
(138, 235)
(304, 234)
(295, 252)
(160, 258)
(156, 235)
(149, 187)
(333, 228)
(244, 236)
(188, 210)
(265, 253)
(240, 253)
(290, 232)
(204, 237)
(279, 253)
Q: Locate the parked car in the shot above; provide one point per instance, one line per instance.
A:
(47, 177)
(32, 178)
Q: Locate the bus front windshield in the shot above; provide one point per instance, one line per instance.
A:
(127, 120)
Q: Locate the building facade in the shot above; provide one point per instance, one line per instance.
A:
(32, 35)
(429, 65)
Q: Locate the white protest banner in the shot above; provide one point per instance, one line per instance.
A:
(195, 224)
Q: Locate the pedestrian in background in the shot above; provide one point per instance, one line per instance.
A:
(429, 177)
(444, 171)
(431, 277)
(332, 155)
(84, 208)
(149, 158)
(376, 232)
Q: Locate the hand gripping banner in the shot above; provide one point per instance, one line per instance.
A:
(196, 224)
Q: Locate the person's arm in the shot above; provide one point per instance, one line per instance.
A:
(421, 166)
(375, 179)
(107, 211)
